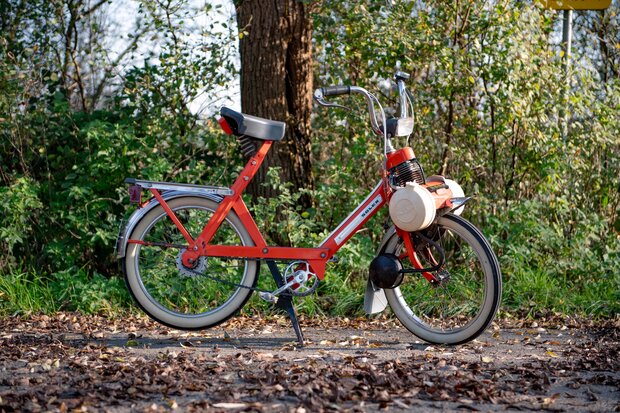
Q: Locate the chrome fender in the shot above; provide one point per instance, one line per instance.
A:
(121, 241)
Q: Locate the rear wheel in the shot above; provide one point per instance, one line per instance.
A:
(464, 301)
(181, 297)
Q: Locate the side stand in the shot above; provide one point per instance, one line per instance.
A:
(286, 302)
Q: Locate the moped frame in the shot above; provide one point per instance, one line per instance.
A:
(316, 257)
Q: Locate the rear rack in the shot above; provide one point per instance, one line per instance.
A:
(172, 186)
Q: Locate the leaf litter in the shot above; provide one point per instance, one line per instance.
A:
(71, 362)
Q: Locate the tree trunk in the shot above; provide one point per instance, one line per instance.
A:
(276, 83)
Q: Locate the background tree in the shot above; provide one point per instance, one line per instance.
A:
(486, 77)
(276, 83)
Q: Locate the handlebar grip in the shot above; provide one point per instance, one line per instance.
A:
(336, 90)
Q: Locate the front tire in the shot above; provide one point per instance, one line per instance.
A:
(464, 303)
(187, 299)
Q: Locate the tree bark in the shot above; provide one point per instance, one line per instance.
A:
(276, 83)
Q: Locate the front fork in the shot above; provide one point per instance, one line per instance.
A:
(375, 300)
(413, 257)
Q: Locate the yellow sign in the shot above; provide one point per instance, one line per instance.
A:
(575, 4)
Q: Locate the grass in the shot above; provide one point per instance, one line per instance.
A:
(24, 293)
(541, 291)
(573, 280)
(533, 291)
(28, 292)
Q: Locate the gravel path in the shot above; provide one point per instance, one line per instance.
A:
(71, 362)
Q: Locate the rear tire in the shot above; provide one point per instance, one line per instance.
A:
(170, 293)
(464, 304)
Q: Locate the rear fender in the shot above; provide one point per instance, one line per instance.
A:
(123, 236)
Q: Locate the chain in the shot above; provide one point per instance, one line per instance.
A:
(221, 280)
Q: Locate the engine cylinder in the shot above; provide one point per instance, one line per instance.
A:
(404, 167)
(408, 171)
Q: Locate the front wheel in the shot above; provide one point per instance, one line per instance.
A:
(180, 297)
(464, 300)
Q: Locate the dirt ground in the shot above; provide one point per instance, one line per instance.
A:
(70, 362)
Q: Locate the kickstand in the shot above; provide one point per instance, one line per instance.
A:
(286, 302)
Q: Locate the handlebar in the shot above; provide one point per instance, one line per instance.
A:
(320, 93)
(401, 126)
(336, 90)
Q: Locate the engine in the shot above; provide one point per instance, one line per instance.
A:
(403, 167)
(411, 206)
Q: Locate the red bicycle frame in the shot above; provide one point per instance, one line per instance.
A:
(316, 257)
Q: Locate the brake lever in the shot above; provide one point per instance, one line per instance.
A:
(320, 99)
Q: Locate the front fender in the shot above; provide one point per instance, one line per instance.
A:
(121, 242)
(374, 297)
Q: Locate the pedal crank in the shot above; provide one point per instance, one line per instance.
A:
(298, 275)
(271, 297)
(305, 281)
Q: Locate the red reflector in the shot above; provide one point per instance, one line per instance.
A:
(225, 126)
(135, 194)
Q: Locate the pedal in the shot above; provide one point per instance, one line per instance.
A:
(269, 297)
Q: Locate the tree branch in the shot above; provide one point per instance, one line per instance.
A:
(94, 8)
(108, 70)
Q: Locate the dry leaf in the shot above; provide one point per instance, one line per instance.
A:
(230, 405)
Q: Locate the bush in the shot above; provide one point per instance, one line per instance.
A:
(489, 105)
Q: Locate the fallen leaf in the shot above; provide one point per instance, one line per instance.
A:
(550, 400)
(230, 405)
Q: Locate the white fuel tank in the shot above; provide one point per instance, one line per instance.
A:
(457, 192)
(412, 207)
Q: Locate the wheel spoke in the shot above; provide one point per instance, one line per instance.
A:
(465, 298)
(417, 298)
(181, 296)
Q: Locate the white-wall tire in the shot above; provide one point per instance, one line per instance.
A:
(471, 294)
(169, 295)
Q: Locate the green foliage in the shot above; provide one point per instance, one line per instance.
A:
(23, 293)
(62, 169)
(19, 211)
(488, 89)
(489, 101)
(76, 290)
(548, 266)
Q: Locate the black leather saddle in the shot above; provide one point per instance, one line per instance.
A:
(252, 126)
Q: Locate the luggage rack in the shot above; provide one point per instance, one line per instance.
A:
(172, 186)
